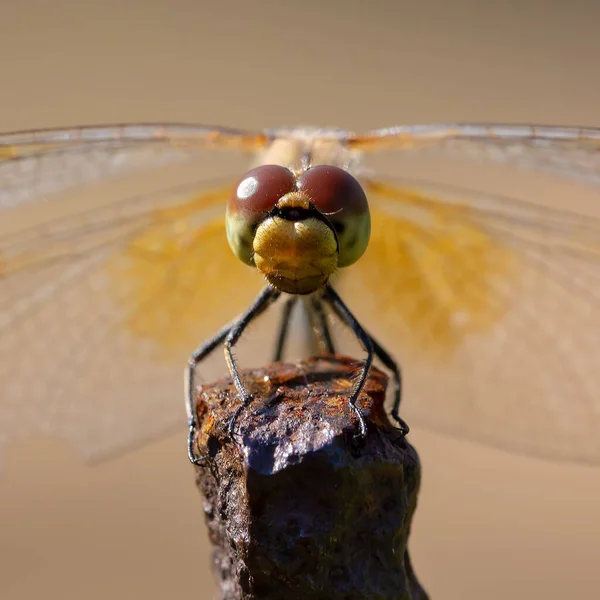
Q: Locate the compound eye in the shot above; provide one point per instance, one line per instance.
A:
(333, 190)
(260, 189)
(256, 194)
(340, 197)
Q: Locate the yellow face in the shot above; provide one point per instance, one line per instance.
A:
(298, 229)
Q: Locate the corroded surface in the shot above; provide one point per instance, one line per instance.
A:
(294, 508)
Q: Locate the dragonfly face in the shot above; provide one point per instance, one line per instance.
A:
(489, 298)
(297, 229)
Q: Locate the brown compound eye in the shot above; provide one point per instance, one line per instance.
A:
(340, 197)
(257, 193)
(260, 189)
(332, 190)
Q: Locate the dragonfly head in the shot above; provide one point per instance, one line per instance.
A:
(297, 229)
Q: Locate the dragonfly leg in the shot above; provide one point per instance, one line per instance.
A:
(190, 374)
(383, 355)
(284, 327)
(264, 299)
(343, 312)
(267, 296)
(320, 324)
(319, 328)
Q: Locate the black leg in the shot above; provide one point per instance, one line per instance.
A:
(265, 298)
(190, 374)
(343, 312)
(392, 365)
(320, 324)
(284, 327)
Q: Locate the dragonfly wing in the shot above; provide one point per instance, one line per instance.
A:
(573, 152)
(99, 312)
(489, 303)
(492, 306)
(36, 164)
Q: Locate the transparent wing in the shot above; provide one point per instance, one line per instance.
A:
(35, 164)
(489, 303)
(570, 151)
(100, 310)
(492, 307)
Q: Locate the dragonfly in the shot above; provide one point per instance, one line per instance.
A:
(488, 301)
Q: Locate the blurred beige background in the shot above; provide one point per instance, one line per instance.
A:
(489, 525)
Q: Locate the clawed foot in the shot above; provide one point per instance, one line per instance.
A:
(360, 429)
(403, 425)
(245, 402)
(194, 458)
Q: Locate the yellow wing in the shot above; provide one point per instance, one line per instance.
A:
(101, 310)
(492, 308)
(490, 305)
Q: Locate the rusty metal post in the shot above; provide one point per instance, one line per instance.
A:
(294, 509)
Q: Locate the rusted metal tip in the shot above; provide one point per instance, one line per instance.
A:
(294, 507)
